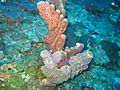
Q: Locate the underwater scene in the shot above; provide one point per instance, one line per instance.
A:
(59, 44)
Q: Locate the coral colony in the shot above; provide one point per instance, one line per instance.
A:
(59, 65)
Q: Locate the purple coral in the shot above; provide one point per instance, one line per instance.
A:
(56, 75)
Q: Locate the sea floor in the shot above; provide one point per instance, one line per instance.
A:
(21, 40)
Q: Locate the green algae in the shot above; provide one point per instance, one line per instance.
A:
(25, 76)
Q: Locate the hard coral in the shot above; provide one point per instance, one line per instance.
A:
(56, 24)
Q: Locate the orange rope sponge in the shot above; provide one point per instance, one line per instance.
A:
(56, 24)
(58, 5)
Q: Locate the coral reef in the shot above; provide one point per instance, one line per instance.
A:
(63, 64)
(20, 62)
(71, 67)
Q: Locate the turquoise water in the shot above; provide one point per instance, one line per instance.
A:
(95, 23)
